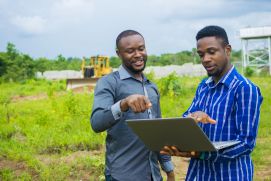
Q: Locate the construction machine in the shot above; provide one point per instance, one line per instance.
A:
(98, 66)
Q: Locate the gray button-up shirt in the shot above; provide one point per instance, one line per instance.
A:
(127, 158)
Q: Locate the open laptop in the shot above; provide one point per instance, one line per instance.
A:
(184, 133)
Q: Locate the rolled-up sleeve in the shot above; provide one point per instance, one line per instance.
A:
(104, 110)
(165, 162)
(116, 111)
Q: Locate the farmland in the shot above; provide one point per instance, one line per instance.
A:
(45, 132)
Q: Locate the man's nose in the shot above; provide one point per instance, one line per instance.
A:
(137, 53)
(206, 58)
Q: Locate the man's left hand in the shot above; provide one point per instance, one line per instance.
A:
(200, 116)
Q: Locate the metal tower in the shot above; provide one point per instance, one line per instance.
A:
(256, 45)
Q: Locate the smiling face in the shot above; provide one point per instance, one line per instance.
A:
(215, 56)
(132, 51)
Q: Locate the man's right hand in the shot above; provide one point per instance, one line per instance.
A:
(138, 103)
(174, 151)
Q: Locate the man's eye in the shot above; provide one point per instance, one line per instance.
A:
(130, 51)
(200, 55)
(141, 49)
(211, 52)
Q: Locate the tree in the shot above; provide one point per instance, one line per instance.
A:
(115, 62)
(42, 64)
(16, 66)
(3, 63)
(11, 51)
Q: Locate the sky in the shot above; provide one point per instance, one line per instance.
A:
(77, 28)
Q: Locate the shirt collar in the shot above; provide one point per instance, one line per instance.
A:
(124, 74)
(226, 79)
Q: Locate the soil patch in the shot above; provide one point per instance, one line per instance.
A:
(180, 167)
(49, 159)
(17, 167)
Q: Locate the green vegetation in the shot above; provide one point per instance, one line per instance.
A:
(18, 67)
(261, 155)
(45, 132)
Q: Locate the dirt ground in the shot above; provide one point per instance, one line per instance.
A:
(180, 167)
(18, 167)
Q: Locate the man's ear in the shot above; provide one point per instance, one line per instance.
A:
(117, 52)
(228, 50)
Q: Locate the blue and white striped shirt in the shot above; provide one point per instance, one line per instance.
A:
(234, 102)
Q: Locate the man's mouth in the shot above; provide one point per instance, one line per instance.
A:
(138, 63)
(210, 68)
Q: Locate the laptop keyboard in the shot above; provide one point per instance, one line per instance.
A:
(223, 144)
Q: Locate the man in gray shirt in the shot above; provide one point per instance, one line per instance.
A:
(128, 94)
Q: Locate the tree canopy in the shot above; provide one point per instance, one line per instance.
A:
(17, 66)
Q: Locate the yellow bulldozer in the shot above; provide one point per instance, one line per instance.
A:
(98, 66)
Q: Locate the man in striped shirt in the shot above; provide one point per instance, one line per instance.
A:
(233, 102)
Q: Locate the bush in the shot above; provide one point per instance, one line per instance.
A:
(249, 71)
(170, 85)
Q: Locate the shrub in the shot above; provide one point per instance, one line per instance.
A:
(249, 72)
(170, 85)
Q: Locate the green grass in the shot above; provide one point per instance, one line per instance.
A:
(262, 153)
(31, 87)
(54, 126)
(52, 139)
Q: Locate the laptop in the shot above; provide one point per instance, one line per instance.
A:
(184, 133)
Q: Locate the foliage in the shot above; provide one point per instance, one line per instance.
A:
(5, 101)
(178, 58)
(236, 56)
(151, 76)
(115, 62)
(16, 66)
(54, 126)
(170, 85)
(46, 133)
(249, 71)
(42, 64)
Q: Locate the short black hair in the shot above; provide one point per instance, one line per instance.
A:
(125, 34)
(212, 30)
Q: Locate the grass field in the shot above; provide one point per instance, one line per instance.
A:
(45, 132)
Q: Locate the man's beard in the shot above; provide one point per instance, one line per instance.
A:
(134, 71)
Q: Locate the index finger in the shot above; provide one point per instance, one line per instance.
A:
(166, 151)
(147, 102)
(192, 153)
(210, 120)
(175, 150)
